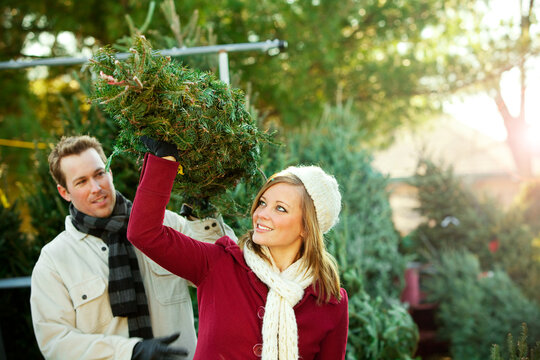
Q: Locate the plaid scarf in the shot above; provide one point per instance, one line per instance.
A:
(126, 289)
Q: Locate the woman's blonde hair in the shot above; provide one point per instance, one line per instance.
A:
(317, 259)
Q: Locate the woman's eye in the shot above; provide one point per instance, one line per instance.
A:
(261, 203)
(281, 208)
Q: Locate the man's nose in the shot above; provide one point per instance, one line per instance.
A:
(94, 185)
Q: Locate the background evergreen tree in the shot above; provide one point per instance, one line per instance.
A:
(456, 219)
(519, 352)
(476, 308)
(528, 203)
(17, 256)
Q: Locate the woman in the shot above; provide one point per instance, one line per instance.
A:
(276, 294)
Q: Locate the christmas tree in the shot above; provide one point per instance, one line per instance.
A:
(519, 352)
(151, 95)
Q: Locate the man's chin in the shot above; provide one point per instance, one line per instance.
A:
(102, 212)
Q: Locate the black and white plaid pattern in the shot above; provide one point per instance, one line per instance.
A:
(126, 289)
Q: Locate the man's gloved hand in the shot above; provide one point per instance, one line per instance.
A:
(160, 148)
(158, 349)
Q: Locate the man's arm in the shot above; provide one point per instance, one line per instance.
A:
(55, 322)
(207, 230)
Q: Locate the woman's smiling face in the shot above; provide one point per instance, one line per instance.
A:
(278, 223)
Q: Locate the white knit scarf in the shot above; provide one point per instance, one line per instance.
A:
(286, 289)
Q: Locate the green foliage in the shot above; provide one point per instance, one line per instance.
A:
(47, 210)
(21, 126)
(522, 351)
(378, 328)
(353, 52)
(178, 34)
(487, 270)
(528, 203)
(207, 121)
(17, 257)
(334, 143)
(457, 220)
(476, 309)
(379, 54)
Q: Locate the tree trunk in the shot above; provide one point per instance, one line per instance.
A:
(516, 127)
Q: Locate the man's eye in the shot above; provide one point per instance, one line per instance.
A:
(79, 183)
(101, 173)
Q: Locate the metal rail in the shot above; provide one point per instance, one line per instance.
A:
(174, 52)
(17, 282)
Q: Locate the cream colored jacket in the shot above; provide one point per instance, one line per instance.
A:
(71, 313)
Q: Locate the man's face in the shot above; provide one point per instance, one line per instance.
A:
(88, 186)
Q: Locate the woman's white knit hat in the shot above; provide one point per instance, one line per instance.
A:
(323, 190)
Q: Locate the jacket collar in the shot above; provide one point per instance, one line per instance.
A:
(72, 230)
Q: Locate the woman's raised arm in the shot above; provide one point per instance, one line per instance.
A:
(172, 250)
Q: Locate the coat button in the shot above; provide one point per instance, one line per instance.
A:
(84, 297)
(104, 248)
(257, 350)
(260, 312)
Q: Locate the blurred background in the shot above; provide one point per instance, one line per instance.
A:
(426, 111)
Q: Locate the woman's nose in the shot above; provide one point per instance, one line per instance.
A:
(262, 213)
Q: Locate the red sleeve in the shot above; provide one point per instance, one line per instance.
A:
(335, 344)
(169, 248)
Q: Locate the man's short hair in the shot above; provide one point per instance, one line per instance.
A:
(71, 145)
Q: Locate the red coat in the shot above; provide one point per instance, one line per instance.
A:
(230, 296)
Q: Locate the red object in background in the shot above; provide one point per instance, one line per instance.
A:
(411, 293)
(423, 314)
(494, 245)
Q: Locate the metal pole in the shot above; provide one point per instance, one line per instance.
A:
(17, 282)
(11, 283)
(224, 67)
(262, 46)
(2, 348)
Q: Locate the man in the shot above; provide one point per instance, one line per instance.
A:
(93, 295)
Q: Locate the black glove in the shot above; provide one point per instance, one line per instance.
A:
(160, 148)
(158, 349)
(186, 211)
